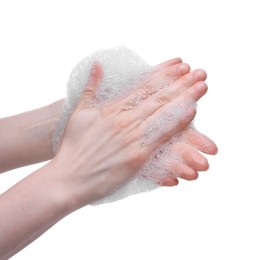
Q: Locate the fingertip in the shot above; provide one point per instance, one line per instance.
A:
(192, 158)
(208, 147)
(183, 68)
(185, 172)
(214, 149)
(201, 142)
(169, 62)
(204, 165)
(89, 92)
(201, 74)
(201, 87)
(194, 176)
(196, 92)
(169, 182)
(177, 60)
(191, 175)
(95, 74)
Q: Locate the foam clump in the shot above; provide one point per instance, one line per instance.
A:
(122, 71)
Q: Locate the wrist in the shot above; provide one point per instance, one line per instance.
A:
(26, 138)
(62, 186)
(54, 111)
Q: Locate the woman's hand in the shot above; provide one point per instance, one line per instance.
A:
(103, 148)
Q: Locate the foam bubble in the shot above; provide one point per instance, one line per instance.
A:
(122, 71)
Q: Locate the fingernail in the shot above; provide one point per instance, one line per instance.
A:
(183, 68)
(201, 87)
(201, 75)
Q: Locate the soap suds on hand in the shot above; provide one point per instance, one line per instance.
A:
(122, 71)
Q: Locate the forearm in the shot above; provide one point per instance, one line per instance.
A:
(29, 208)
(26, 138)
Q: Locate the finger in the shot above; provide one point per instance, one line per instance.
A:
(185, 82)
(166, 95)
(183, 171)
(193, 94)
(155, 81)
(163, 101)
(89, 92)
(159, 78)
(200, 141)
(160, 127)
(169, 63)
(191, 157)
(169, 181)
(173, 72)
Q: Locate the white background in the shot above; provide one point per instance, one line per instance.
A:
(217, 216)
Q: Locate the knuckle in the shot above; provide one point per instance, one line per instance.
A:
(89, 90)
(137, 159)
(162, 99)
(120, 124)
(188, 115)
(123, 123)
(107, 110)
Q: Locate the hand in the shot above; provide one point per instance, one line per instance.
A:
(103, 148)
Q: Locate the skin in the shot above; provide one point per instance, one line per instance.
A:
(101, 149)
(191, 141)
(26, 138)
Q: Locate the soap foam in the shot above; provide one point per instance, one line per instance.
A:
(122, 71)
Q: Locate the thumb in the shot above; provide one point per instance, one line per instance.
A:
(89, 92)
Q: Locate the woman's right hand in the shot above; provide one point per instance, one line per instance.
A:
(102, 148)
